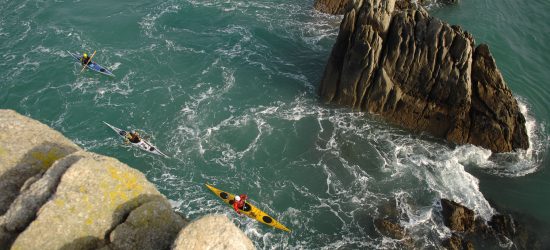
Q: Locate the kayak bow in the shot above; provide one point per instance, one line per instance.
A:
(92, 65)
(142, 144)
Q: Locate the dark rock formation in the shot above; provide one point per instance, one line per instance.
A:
(388, 225)
(340, 7)
(456, 243)
(335, 7)
(457, 217)
(390, 229)
(501, 229)
(421, 73)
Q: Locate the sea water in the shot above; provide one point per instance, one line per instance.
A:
(228, 89)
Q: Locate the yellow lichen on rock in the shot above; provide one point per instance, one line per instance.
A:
(3, 152)
(72, 199)
(127, 185)
(46, 159)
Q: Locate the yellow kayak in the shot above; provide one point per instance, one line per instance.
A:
(250, 210)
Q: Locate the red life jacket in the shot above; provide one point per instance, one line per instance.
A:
(239, 204)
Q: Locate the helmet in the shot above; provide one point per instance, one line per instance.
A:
(85, 55)
(133, 132)
(237, 198)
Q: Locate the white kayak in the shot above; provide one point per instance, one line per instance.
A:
(142, 144)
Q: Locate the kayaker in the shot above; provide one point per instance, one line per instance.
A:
(239, 201)
(84, 60)
(133, 137)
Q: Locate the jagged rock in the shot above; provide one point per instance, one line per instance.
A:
(502, 229)
(60, 197)
(494, 113)
(387, 224)
(407, 4)
(25, 207)
(27, 148)
(339, 7)
(335, 7)
(355, 54)
(152, 225)
(94, 196)
(423, 74)
(456, 243)
(506, 228)
(457, 217)
(389, 229)
(212, 232)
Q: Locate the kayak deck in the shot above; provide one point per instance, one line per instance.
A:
(142, 144)
(249, 209)
(92, 65)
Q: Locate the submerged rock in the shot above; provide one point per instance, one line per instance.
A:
(468, 231)
(457, 217)
(457, 243)
(390, 229)
(423, 74)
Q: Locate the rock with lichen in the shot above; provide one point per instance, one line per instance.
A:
(212, 232)
(27, 148)
(54, 195)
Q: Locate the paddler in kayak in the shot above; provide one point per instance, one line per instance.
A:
(85, 59)
(133, 137)
(239, 202)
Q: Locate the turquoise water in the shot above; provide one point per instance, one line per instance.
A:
(229, 90)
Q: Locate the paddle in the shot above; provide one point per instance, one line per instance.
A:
(87, 62)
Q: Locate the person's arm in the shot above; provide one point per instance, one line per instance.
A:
(236, 207)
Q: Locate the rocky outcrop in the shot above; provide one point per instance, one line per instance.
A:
(221, 234)
(389, 228)
(456, 243)
(27, 148)
(388, 225)
(334, 7)
(340, 7)
(467, 229)
(457, 217)
(423, 74)
(56, 196)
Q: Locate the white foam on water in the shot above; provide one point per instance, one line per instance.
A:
(148, 23)
(173, 46)
(27, 25)
(207, 92)
(436, 167)
(521, 162)
(414, 171)
(115, 66)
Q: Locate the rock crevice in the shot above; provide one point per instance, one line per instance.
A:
(25, 207)
(54, 195)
